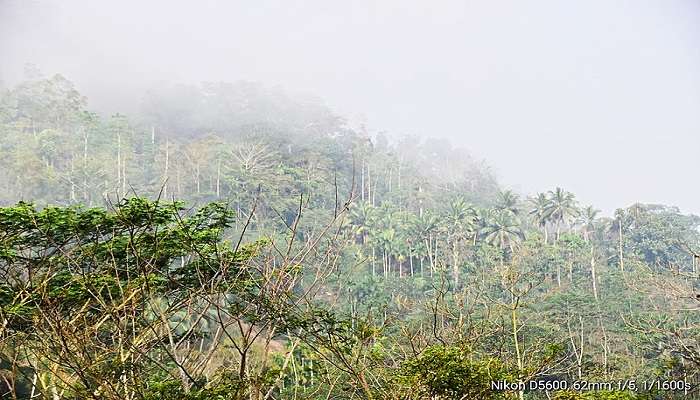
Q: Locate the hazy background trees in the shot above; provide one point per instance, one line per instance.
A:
(312, 260)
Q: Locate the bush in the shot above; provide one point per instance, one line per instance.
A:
(443, 372)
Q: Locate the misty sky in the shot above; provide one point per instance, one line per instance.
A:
(599, 97)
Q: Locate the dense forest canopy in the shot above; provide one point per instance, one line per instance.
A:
(233, 241)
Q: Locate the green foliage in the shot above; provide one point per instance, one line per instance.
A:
(441, 372)
(101, 272)
(104, 289)
(226, 386)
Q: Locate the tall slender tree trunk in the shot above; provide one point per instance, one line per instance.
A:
(428, 245)
(593, 276)
(165, 172)
(619, 230)
(398, 175)
(558, 275)
(369, 185)
(546, 234)
(72, 180)
(85, 166)
(119, 161)
(389, 183)
(455, 266)
(374, 263)
(437, 248)
(516, 341)
(386, 264)
(420, 200)
(374, 191)
(604, 344)
(124, 177)
(197, 176)
(558, 229)
(362, 180)
(218, 179)
(578, 350)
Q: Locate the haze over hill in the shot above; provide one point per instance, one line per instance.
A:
(599, 97)
(289, 200)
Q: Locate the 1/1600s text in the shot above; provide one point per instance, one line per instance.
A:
(588, 386)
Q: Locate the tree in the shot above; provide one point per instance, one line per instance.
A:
(459, 225)
(362, 216)
(561, 208)
(617, 227)
(103, 303)
(507, 200)
(452, 372)
(503, 230)
(425, 226)
(588, 217)
(538, 212)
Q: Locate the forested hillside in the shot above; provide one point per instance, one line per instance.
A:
(233, 241)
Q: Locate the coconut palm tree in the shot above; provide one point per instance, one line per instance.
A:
(460, 219)
(538, 212)
(587, 220)
(386, 233)
(618, 226)
(507, 200)
(503, 231)
(562, 207)
(425, 226)
(362, 215)
(459, 225)
(483, 217)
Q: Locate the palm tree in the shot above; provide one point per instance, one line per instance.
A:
(507, 201)
(386, 238)
(402, 247)
(587, 219)
(363, 221)
(618, 225)
(539, 212)
(362, 215)
(483, 217)
(386, 233)
(459, 224)
(460, 219)
(561, 208)
(503, 231)
(425, 226)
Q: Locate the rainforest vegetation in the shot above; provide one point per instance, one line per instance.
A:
(232, 241)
